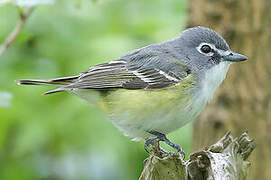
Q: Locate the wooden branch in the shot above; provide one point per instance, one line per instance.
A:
(12, 36)
(225, 160)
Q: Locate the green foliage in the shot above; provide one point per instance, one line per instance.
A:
(57, 136)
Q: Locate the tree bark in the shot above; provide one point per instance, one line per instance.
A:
(225, 160)
(244, 100)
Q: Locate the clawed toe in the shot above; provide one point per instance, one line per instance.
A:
(148, 143)
(180, 150)
(162, 137)
(155, 147)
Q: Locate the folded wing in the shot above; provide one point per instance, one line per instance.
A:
(151, 72)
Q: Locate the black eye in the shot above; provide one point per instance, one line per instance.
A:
(206, 49)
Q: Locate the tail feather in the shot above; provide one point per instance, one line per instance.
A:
(57, 81)
(54, 91)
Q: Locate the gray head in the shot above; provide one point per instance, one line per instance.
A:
(204, 48)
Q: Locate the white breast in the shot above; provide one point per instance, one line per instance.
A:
(208, 84)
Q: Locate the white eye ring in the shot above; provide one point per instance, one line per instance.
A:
(206, 44)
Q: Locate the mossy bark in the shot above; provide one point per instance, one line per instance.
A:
(243, 102)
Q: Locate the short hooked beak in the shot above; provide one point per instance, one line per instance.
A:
(234, 57)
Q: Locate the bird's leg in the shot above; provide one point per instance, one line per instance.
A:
(149, 142)
(162, 137)
(155, 146)
(156, 150)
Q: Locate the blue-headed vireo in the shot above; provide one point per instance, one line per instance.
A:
(156, 89)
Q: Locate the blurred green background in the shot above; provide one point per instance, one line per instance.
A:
(58, 136)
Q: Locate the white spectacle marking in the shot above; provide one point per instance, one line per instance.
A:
(202, 44)
(168, 76)
(221, 52)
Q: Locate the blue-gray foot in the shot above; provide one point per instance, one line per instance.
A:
(152, 141)
(162, 137)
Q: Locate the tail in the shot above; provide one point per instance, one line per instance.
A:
(62, 82)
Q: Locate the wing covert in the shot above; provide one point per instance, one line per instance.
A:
(133, 75)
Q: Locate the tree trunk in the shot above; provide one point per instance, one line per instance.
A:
(225, 160)
(244, 100)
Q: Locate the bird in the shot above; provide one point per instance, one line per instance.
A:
(154, 90)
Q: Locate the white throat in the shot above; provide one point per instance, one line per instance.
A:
(213, 78)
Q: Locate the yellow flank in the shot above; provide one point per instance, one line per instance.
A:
(146, 101)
